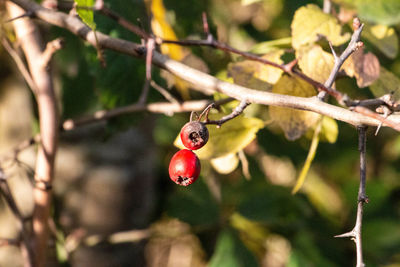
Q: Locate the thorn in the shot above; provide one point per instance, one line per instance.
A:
(333, 51)
(289, 66)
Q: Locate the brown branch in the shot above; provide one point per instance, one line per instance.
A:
(353, 45)
(164, 92)
(202, 81)
(236, 112)
(30, 39)
(51, 48)
(355, 234)
(19, 62)
(161, 107)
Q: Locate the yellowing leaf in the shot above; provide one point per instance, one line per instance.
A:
(309, 22)
(293, 122)
(225, 164)
(385, 84)
(255, 74)
(384, 38)
(329, 131)
(85, 13)
(364, 67)
(162, 29)
(310, 157)
(233, 136)
(315, 62)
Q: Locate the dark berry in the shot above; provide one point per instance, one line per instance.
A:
(194, 135)
(184, 168)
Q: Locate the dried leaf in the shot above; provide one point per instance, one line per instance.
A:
(256, 75)
(315, 62)
(233, 136)
(364, 67)
(309, 22)
(384, 38)
(293, 122)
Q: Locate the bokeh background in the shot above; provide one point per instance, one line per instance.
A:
(114, 204)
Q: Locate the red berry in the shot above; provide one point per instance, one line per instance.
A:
(194, 135)
(184, 168)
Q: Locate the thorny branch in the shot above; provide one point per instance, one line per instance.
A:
(364, 115)
(355, 234)
(201, 81)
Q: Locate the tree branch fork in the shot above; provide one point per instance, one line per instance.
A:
(357, 115)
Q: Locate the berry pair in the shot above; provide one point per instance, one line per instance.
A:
(184, 168)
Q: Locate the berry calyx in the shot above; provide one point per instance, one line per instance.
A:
(184, 168)
(194, 135)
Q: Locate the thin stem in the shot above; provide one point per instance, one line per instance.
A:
(161, 107)
(236, 112)
(353, 45)
(203, 82)
(355, 234)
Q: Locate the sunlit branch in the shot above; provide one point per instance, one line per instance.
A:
(202, 81)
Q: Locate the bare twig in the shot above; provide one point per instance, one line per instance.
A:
(353, 45)
(236, 112)
(162, 107)
(355, 234)
(20, 64)
(202, 81)
(51, 48)
(146, 86)
(164, 92)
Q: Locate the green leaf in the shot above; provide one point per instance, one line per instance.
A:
(309, 22)
(195, 206)
(381, 234)
(386, 12)
(230, 252)
(85, 13)
(293, 122)
(385, 84)
(233, 136)
(384, 38)
(269, 46)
